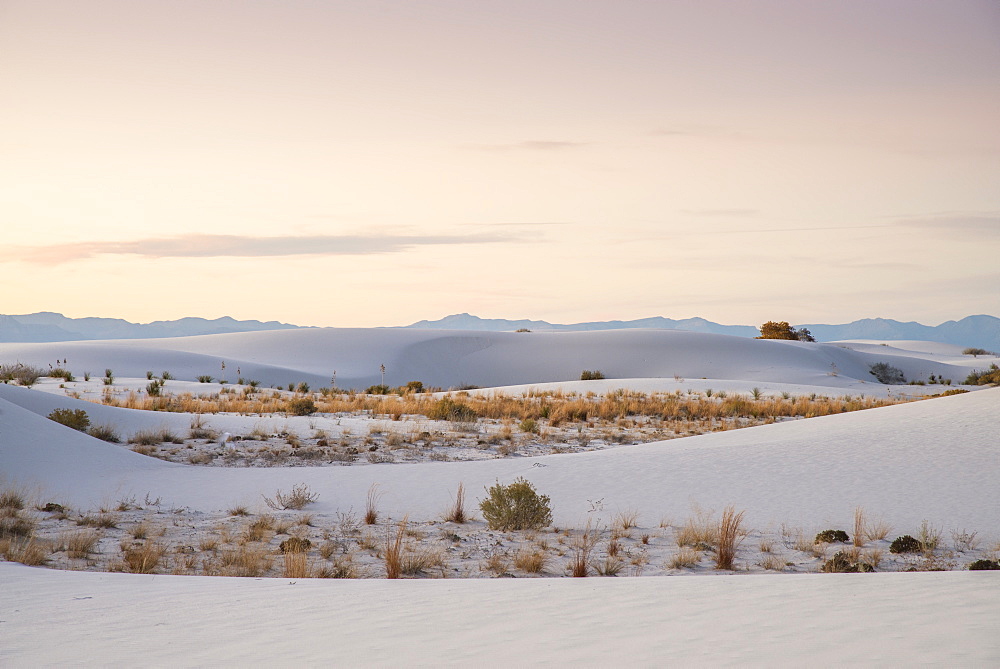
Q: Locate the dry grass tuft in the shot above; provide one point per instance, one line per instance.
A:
(532, 562)
(296, 565)
(11, 498)
(393, 556)
(143, 559)
(729, 538)
(456, 513)
(579, 563)
(684, 558)
(699, 531)
(772, 563)
(371, 505)
(79, 545)
(296, 500)
(26, 551)
(626, 520)
(860, 528)
(245, 561)
(258, 529)
(877, 530)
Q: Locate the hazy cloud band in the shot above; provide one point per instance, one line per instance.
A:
(236, 246)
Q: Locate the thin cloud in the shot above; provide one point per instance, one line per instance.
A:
(533, 145)
(972, 224)
(236, 246)
(721, 212)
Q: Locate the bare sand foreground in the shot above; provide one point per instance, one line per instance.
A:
(925, 465)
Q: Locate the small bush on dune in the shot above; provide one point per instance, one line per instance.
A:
(450, 410)
(976, 352)
(591, 375)
(74, 418)
(516, 506)
(301, 406)
(841, 563)
(985, 565)
(105, 433)
(831, 536)
(984, 377)
(205, 378)
(25, 375)
(887, 374)
(905, 544)
(60, 373)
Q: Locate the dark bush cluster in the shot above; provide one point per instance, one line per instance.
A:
(25, 375)
(782, 330)
(906, 544)
(985, 565)
(887, 374)
(832, 536)
(591, 375)
(842, 564)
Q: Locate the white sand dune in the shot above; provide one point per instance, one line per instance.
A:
(934, 460)
(450, 358)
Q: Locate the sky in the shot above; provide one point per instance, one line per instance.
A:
(378, 163)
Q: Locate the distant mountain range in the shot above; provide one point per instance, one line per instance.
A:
(979, 331)
(48, 326)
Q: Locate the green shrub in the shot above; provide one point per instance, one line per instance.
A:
(831, 536)
(906, 544)
(205, 378)
(976, 352)
(166, 376)
(448, 409)
(529, 425)
(591, 375)
(153, 388)
(105, 433)
(516, 506)
(985, 565)
(303, 387)
(60, 373)
(74, 418)
(380, 389)
(301, 406)
(842, 564)
(25, 375)
(984, 377)
(887, 374)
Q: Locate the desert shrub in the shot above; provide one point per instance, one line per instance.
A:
(985, 565)
(166, 376)
(591, 375)
(529, 425)
(149, 376)
(60, 373)
(905, 544)
(983, 377)
(105, 433)
(153, 388)
(303, 387)
(380, 389)
(301, 406)
(516, 506)
(887, 374)
(25, 375)
(74, 418)
(295, 545)
(448, 409)
(976, 352)
(841, 563)
(831, 536)
(14, 525)
(143, 559)
(298, 498)
(782, 330)
(205, 378)
(11, 498)
(413, 387)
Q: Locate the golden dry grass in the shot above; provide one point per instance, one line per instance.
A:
(729, 537)
(684, 558)
(530, 561)
(143, 558)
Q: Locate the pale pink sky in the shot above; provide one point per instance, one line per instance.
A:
(376, 163)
